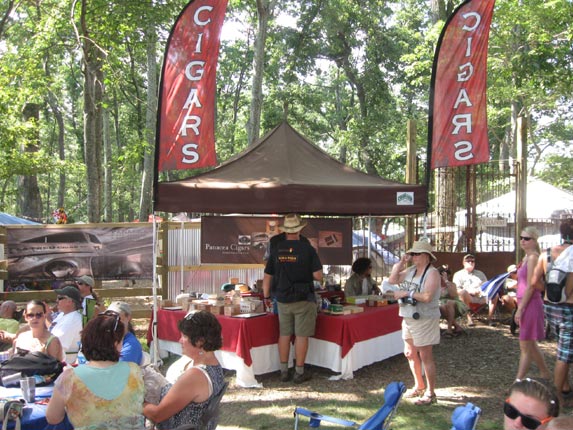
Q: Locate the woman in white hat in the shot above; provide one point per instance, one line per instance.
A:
(419, 297)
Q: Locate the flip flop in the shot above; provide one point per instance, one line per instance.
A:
(426, 400)
(414, 393)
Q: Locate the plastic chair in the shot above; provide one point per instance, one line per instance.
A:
(465, 417)
(379, 421)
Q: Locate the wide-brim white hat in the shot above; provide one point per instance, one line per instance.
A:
(422, 247)
(292, 224)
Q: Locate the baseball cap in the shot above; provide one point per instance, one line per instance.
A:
(71, 292)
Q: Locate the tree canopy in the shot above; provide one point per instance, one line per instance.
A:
(78, 90)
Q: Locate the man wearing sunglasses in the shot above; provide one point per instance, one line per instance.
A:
(468, 281)
(68, 323)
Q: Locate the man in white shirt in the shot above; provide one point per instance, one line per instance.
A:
(469, 281)
(68, 323)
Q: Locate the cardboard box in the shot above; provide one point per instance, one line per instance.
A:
(218, 309)
(249, 305)
(357, 300)
(230, 310)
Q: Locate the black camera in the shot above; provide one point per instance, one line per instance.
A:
(408, 301)
(412, 302)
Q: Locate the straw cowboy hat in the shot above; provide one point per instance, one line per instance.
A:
(422, 246)
(292, 224)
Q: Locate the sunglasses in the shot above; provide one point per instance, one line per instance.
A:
(111, 314)
(37, 315)
(531, 423)
(415, 254)
(526, 238)
(62, 298)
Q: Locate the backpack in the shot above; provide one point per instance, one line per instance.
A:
(555, 281)
(32, 364)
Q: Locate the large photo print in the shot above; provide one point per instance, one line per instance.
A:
(44, 253)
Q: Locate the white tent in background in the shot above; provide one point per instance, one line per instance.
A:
(543, 201)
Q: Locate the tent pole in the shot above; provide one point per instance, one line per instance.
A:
(181, 259)
(155, 348)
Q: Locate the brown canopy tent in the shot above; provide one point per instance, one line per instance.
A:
(282, 173)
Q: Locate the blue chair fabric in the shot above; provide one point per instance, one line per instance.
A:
(379, 421)
(465, 417)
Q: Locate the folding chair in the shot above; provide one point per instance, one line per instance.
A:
(379, 421)
(465, 417)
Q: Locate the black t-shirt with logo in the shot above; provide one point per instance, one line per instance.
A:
(292, 262)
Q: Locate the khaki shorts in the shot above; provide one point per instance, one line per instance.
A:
(423, 332)
(298, 318)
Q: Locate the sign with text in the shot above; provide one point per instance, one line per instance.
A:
(243, 240)
(457, 132)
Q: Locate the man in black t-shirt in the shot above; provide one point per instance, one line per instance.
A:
(292, 267)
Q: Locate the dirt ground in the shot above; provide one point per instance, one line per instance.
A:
(476, 367)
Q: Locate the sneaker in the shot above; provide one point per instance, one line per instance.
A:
(299, 378)
(285, 376)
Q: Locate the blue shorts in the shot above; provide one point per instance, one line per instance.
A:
(560, 319)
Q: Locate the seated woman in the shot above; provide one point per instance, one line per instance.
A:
(131, 348)
(186, 400)
(451, 307)
(38, 337)
(360, 283)
(104, 393)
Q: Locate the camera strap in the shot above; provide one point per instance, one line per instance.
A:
(419, 287)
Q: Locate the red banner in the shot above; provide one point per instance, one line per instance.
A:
(186, 115)
(458, 118)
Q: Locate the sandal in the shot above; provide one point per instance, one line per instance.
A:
(426, 399)
(414, 393)
(448, 334)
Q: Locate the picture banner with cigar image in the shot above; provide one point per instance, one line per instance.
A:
(244, 240)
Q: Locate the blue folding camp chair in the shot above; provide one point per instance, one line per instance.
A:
(465, 417)
(492, 286)
(379, 421)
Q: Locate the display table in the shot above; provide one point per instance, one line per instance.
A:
(34, 414)
(342, 343)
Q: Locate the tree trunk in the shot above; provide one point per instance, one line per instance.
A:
(29, 199)
(264, 12)
(61, 146)
(108, 171)
(145, 203)
(93, 118)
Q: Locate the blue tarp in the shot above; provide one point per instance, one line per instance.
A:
(6, 219)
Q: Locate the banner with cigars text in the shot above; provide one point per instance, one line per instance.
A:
(457, 132)
(186, 110)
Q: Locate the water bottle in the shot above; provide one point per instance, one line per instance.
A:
(81, 359)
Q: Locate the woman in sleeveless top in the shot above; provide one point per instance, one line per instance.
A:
(104, 393)
(185, 401)
(38, 338)
(419, 283)
(529, 314)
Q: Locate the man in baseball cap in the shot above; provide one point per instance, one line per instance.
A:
(68, 323)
